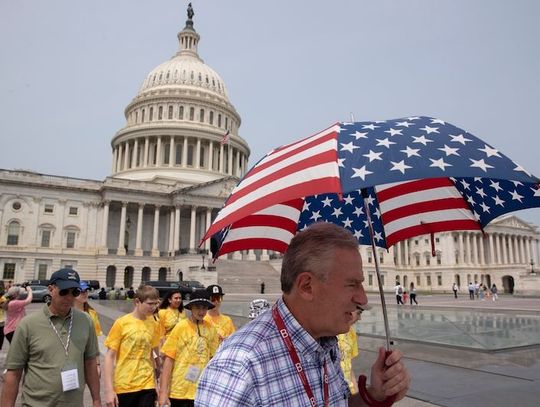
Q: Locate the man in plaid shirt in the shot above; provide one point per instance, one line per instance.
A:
(289, 356)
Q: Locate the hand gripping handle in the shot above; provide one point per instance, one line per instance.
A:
(362, 380)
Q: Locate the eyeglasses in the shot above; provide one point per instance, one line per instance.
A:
(74, 292)
(216, 298)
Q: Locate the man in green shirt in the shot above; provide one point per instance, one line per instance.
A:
(57, 349)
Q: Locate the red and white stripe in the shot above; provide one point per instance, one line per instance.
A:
(272, 229)
(414, 208)
(304, 168)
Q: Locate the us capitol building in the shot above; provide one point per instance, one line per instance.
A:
(171, 173)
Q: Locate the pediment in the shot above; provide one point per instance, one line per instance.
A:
(220, 188)
(511, 222)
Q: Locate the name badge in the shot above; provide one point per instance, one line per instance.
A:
(70, 378)
(192, 374)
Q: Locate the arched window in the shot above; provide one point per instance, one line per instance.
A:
(190, 155)
(142, 116)
(160, 113)
(181, 112)
(192, 113)
(211, 118)
(178, 158)
(170, 113)
(14, 230)
(166, 153)
(145, 275)
(219, 120)
(201, 115)
(151, 114)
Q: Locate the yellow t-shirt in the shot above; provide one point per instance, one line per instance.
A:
(94, 317)
(189, 346)
(2, 312)
(168, 318)
(133, 340)
(348, 346)
(224, 325)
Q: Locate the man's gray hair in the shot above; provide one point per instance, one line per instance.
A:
(311, 249)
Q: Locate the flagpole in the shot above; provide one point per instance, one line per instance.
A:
(378, 271)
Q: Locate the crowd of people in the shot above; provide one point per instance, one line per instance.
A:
(479, 291)
(298, 353)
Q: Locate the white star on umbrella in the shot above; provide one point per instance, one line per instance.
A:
(421, 139)
(316, 215)
(465, 184)
(358, 234)
(430, 130)
(400, 166)
(520, 168)
(449, 150)
(361, 173)
(347, 223)
(411, 151)
(438, 121)
(306, 206)
(370, 126)
(358, 210)
(481, 192)
(498, 201)
(327, 202)
(480, 164)
(394, 132)
(490, 152)
(384, 142)
(337, 212)
(485, 208)
(348, 147)
(516, 196)
(536, 191)
(357, 135)
(372, 155)
(495, 186)
(460, 139)
(439, 163)
(348, 199)
(404, 124)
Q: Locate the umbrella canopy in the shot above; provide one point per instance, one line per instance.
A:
(418, 175)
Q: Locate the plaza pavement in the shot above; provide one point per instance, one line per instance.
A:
(441, 376)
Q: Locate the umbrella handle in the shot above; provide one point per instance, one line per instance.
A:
(362, 381)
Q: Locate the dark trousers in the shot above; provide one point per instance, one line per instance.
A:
(471, 294)
(182, 403)
(1, 336)
(141, 398)
(413, 298)
(455, 293)
(398, 299)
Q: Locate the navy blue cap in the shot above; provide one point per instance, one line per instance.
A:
(65, 278)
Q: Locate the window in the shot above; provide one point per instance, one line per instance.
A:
(166, 153)
(226, 122)
(151, 114)
(437, 240)
(142, 116)
(201, 115)
(181, 112)
(417, 280)
(178, 158)
(417, 259)
(9, 271)
(428, 280)
(16, 205)
(439, 280)
(190, 155)
(160, 113)
(49, 208)
(169, 116)
(428, 259)
(14, 229)
(45, 238)
(381, 258)
(70, 240)
(426, 241)
(211, 118)
(42, 272)
(439, 260)
(73, 210)
(191, 113)
(136, 117)
(219, 120)
(416, 242)
(370, 279)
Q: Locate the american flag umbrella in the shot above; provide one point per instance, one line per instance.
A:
(400, 178)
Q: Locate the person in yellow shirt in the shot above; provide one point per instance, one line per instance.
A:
(348, 347)
(187, 350)
(129, 364)
(171, 311)
(224, 324)
(81, 303)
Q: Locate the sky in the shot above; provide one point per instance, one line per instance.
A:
(69, 68)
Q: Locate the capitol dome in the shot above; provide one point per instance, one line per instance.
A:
(181, 126)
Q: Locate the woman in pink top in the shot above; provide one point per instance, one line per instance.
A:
(14, 309)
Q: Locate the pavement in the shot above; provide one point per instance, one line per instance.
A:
(442, 376)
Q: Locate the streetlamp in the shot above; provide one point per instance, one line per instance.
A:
(532, 267)
(202, 267)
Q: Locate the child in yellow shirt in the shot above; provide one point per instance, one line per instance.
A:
(223, 323)
(187, 351)
(171, 311)
(129, 365)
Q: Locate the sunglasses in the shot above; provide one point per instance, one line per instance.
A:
(74, 292)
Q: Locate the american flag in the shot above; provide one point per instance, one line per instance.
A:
(421, 175)
(226, 138)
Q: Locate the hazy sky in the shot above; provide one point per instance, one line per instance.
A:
(69, 68)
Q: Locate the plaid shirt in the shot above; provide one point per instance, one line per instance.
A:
(253, 367)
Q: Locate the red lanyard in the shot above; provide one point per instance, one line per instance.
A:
(296, 360)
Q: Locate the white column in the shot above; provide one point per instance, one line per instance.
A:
(126, 155)
(460, 248)
(528, 247)
(251, 255)
(474, 250)
(184, 152)
(158, 152)
(171, 230)
(482, 259)
(491, 250)
(504, 249)
(105, 224)
(398, 254)
(498, 239)
(138, 240)
(230, 163)
(155, 249)
(114, 160)
(172, 152)
(119, 159)
(221, 158)
(146, 149)
(264, 255)
(192, 229)
(121, 234)
(211, 156)
(177, 228)
(198, 154)
(208, 223)
(135, 154)
(406, 250)
(522, 253)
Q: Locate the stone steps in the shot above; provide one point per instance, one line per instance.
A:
(237, 276)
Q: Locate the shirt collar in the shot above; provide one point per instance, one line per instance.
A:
(48, 313)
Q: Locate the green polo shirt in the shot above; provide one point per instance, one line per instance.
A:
(37, 349)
